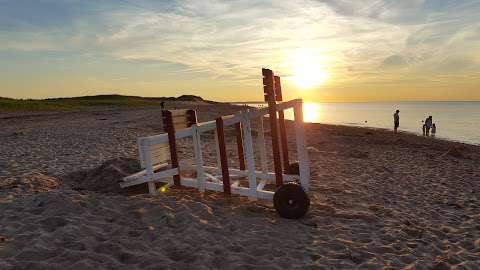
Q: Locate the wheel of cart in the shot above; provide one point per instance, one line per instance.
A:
(291, 201)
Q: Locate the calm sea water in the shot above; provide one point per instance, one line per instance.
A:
(458, 121)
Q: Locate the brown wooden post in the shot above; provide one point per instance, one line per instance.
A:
(269, 91)
(223, 156)
(241, 155)
(172, 142)
(283, 128)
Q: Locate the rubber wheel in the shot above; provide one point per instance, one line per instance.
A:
(291, 201)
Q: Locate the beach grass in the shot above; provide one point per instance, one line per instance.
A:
(59, 104)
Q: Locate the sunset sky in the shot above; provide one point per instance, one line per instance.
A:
(332, 50)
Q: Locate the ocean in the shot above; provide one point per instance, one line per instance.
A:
(456, 121)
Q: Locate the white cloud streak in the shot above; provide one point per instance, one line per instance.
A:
(232, 39)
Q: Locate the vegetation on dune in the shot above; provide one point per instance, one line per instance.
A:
(54, 104)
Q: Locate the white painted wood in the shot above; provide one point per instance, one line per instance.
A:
(213, 178)
(249, 156)
(261, 145)
(206, 126)
(232, 119)
(263, 195)
(259, 174)
(197, 148)
(262, 184)
(161, 138)
(302, 153)
(155, 177)
(143, 172)
(149, 168)
(190, 182)
(151, 152)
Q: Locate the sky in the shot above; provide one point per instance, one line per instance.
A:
(324, 50)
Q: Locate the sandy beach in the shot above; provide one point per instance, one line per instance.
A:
(378, 201)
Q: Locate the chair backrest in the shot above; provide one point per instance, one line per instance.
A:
(159, 153)
(180, 119)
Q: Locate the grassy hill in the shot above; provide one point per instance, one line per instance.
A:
(52, 104)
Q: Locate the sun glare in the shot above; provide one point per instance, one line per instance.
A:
(311, 112)
(308, 70)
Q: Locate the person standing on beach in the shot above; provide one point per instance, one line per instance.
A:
(434, 130)
(396, 121)
(428, 125)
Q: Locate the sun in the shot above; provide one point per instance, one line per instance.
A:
(308, 70)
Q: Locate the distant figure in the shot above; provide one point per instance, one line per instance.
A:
(162, 105)
(428, 125)
(396, 121)
(423, 128)
(434, 130)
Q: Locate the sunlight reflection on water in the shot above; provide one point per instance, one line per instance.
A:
(455, 120)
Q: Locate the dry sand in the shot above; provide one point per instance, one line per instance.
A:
(379, 201)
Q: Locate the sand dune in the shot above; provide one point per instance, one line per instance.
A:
(379, 201)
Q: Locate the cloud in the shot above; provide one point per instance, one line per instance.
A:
(395, 61)
(231, 40)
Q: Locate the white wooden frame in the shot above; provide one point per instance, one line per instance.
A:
(210, 178)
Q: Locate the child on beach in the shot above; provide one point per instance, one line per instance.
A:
(434, 130)
(428, 125)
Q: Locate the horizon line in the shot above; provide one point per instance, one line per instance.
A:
(244, 102)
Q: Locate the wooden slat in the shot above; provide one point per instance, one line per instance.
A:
(283, 129)
(223, 157)
(269, 90)
(268, 85)
(217, 150)
(180, 119)
(179, 112)
(284, 142)
(170, 129)
(159, 153)
(180, 126)
(239, 137)
(278, 89)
